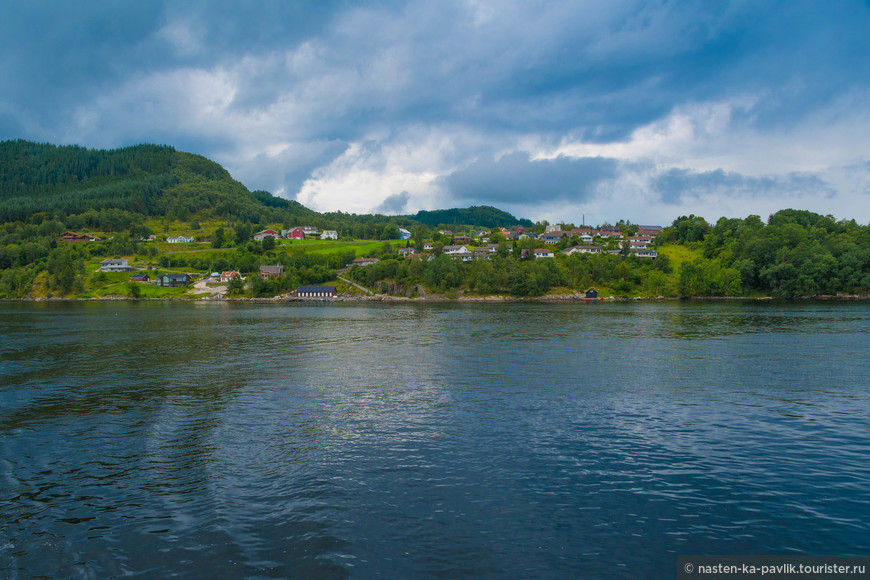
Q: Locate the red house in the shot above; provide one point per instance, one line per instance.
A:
(295, 234)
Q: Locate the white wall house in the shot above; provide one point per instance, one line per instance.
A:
(115, 265)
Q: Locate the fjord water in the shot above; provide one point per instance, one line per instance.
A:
(428, 440)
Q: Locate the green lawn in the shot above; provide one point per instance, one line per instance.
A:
(330, 247)
(145, 291)
(678, 254)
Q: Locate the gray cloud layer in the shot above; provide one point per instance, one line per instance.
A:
(676, 184)
(278, 91)
(517, 179)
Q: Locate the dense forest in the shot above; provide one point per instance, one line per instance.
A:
(796, 253)
(124, 196)
(481, 215)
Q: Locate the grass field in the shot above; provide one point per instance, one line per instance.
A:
(679, 254)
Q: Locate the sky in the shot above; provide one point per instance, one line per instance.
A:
(559, 110)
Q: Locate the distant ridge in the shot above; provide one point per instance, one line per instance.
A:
(479, 215)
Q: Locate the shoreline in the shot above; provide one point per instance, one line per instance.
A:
(562, 298)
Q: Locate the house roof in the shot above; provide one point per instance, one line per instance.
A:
(279, 269)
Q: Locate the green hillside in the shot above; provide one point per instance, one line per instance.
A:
(480, 215)
(123, 198)
(146, 180)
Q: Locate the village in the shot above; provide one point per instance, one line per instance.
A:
(463, 246)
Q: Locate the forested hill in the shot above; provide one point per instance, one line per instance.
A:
(481, 215)
(148, 180)
(112, 189)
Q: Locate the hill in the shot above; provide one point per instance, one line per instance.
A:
(479, 215)
(150, 180)
(112, 189)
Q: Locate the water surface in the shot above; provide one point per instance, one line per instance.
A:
(428, 440)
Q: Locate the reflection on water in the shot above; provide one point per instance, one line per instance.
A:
(416, 440)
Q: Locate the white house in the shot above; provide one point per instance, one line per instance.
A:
(543, 253)
(582, 250)
(112, 265)
(329, 235)
(180, 240)
(449, 250)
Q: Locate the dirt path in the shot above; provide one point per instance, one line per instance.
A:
(355, 285)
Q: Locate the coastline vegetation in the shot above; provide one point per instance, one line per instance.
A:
(124, 197)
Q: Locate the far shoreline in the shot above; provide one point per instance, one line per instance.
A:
(498, 299)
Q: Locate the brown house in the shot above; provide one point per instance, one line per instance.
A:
(267, 272)
(74, 237)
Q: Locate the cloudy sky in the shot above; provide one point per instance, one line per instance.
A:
(637, 110)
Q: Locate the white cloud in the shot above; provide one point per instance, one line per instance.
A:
(363, 178)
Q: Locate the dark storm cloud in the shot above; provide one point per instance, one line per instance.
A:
(517, 179)
(527, 67)
(57, 56)
(675, 185)
(395, 204)
(104, 73)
